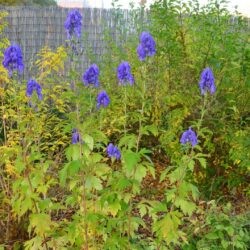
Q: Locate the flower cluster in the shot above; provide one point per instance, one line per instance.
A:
(113, 151)
(76, 138)
(73, 24)
(124, 73)
(207, 81)
(189, 136)
(13, 59)
(91, 76)
(32, 85)
(102, 99)
(147, 46)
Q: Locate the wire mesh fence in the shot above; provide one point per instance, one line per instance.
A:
(35, 27)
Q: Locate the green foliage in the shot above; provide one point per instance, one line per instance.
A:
(223, 229)
(73, 196)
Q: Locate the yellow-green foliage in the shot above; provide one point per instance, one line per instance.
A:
(50, 62)
(3, 44)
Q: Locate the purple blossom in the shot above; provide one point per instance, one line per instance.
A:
(32, 85)
(189, 136)
(124, 73)
(13, 59)
(75, 136)
(207, 81)
(102, 99)
(91, 76)
(73, 24)
(113, 151)
(147, 46)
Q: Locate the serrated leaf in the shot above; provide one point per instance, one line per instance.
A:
(165, 172)
(128, 140)
(92, 182)
(142, 209)
(187, 207)
(203, 162)
(130, 160)
(74, 167)
(40, 223)
(114, 207)
(73, 152)
(140, 172)
(63, 173)
(152, 129)
(89, 141)
(167, 228)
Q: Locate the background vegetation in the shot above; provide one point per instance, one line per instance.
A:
(160, 194)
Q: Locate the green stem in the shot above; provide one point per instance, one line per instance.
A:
(100, 119)
(203, 111)
(36, 208)
(90, 100)
(86, 246)
(125, 110)
(141, 116)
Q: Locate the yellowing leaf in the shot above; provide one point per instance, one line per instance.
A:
(41, 223)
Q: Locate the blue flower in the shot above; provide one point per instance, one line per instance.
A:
(189, 136)
(147, 46)
(73, 24)
(124, 73)
(13, 59)
(32, 85)
(91, 76)
(113, 151)
(207, 81)
(102, 99)
(75, 136)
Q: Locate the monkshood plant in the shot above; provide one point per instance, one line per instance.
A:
(180, 198)
(26, 172)
(118, 155)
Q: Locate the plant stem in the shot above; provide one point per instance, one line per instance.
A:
(36, 207)
(203, 111)
(86, 247)
(125, 110)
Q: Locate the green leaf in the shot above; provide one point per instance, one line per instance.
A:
(152, 129)
(187, 207)
(167, 228)
(140, 172)
(74, 167)
(114, 207)
(203, 162)
(41, 223)
(128, 140)
(25, 205)
(191, 164)
(212, 236)
(142, 209)
(73, 152)
(34, 243)
(89, 141)
(165, 172)
(63, 174)
(92, 182)
(130, 161)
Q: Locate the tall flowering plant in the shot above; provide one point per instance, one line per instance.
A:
(147, 46)
(207, 82)
(91, 76)
(124, 74)
(13, 59)
(32, 86)
(73, 24)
